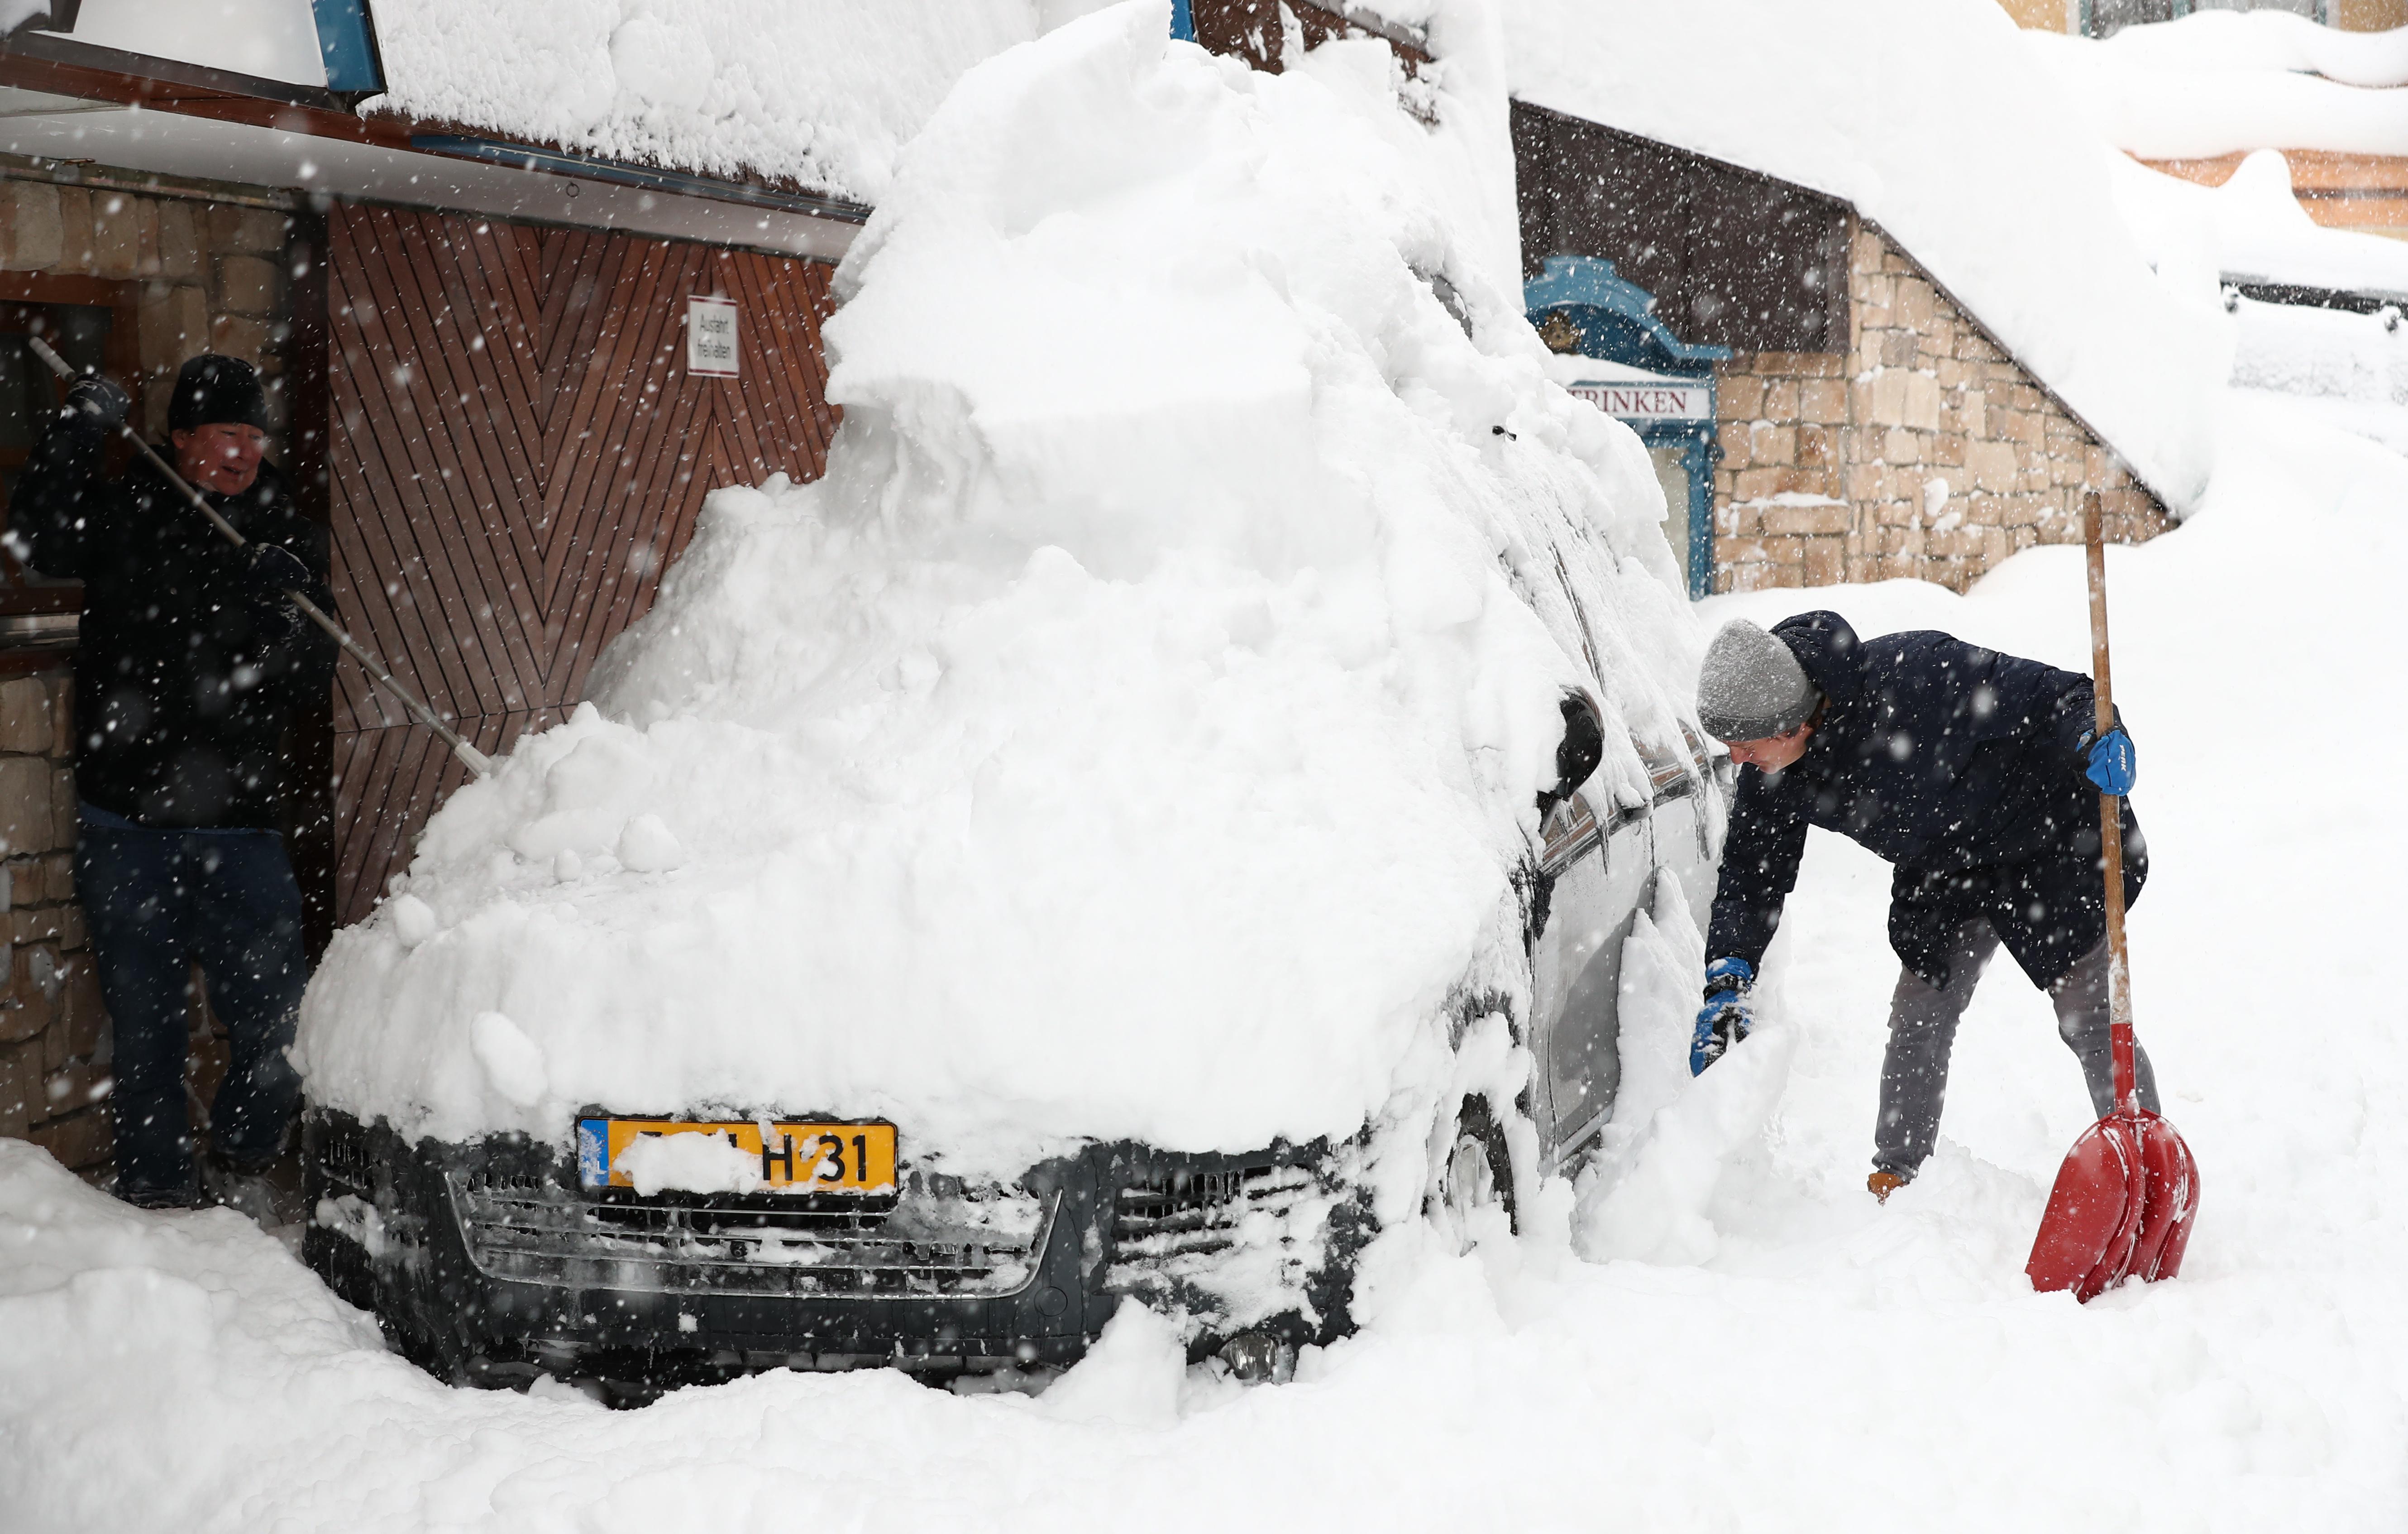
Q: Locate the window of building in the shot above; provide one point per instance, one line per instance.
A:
(2102, 18)
(90, 323)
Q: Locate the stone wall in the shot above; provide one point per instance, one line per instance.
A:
(1925, 452)
(213, 275)
(53, 1033)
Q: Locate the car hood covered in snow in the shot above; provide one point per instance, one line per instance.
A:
(1133, 735)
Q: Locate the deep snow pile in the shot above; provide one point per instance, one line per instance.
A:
(822, 92)
(2250, 228)
(1871, 102)
(1133, 734)
(1791, 1357)
(2351, 370)
(2222, 82)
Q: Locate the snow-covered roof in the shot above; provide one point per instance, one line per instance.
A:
(2259, 40)
(2224, 83)
(825, 93)
(1930, 118)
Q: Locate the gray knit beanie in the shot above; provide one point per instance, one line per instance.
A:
(1751, 686)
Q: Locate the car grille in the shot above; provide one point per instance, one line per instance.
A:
(1189, 1236)
(967, 1243)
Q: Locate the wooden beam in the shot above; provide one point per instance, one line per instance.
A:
(104, 75)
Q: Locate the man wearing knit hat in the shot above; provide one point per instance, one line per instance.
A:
(191, 662)
(1976, 775)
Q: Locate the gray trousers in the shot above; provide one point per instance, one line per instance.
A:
(1923, 1031)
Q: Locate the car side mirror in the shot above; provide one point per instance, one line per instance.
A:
(1577, 755)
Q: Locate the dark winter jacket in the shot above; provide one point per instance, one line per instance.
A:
(1962, 767)
(183, 688)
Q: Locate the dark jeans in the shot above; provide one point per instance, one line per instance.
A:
(158, 903)
(1923, 1031)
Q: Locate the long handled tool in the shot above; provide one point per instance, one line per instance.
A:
(478, 761)
(2127, 1194)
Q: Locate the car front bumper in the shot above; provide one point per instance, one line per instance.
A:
(488, 1265)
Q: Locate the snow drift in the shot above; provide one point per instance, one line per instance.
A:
(1133, 735)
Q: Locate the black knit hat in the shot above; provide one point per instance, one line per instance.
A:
(213, 389)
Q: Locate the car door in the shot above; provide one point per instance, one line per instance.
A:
(1688, 813)
(1594, 860)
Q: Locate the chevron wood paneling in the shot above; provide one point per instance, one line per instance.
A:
(517, 453)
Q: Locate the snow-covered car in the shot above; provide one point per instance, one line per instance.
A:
(1164, 816)
(497, 1259)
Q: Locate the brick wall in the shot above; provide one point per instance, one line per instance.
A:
(213, 275)
(1925, 452)
(53, 1033)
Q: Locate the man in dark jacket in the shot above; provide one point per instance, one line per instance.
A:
(191, 661)
(1977, 777)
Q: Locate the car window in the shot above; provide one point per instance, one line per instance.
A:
(1571, 829)
(1669, 773)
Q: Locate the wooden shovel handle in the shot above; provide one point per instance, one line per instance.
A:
(2111, 818)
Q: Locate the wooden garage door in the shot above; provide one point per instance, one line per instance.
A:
(517, 451)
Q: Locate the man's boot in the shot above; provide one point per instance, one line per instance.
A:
(247, 1190)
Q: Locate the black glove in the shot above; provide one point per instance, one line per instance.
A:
(96, 401)
(270, 573)
(270, 570)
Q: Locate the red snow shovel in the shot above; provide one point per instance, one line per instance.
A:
(2129, 1190)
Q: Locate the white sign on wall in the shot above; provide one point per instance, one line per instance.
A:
(710, 338)
(1637, 401)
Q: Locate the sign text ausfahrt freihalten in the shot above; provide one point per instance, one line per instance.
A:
(710, 338)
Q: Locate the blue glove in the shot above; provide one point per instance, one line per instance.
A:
(1726, 1017)
(2113, 764)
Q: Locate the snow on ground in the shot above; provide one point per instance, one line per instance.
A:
(2350, 370)
(1829, 1365)
(1870, 102)
(1135, 732)
(2222, 82)
(822, 92)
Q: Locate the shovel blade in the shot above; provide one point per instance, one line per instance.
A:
(2171, 1200)
(2094, 1217)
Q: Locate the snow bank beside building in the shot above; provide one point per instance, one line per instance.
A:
(1132, 735)
(2224, 83)
(1932, 121)
(822, 92)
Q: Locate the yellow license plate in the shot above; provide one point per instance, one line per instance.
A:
(793, 1158)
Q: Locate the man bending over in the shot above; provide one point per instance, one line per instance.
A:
(1977, 777)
